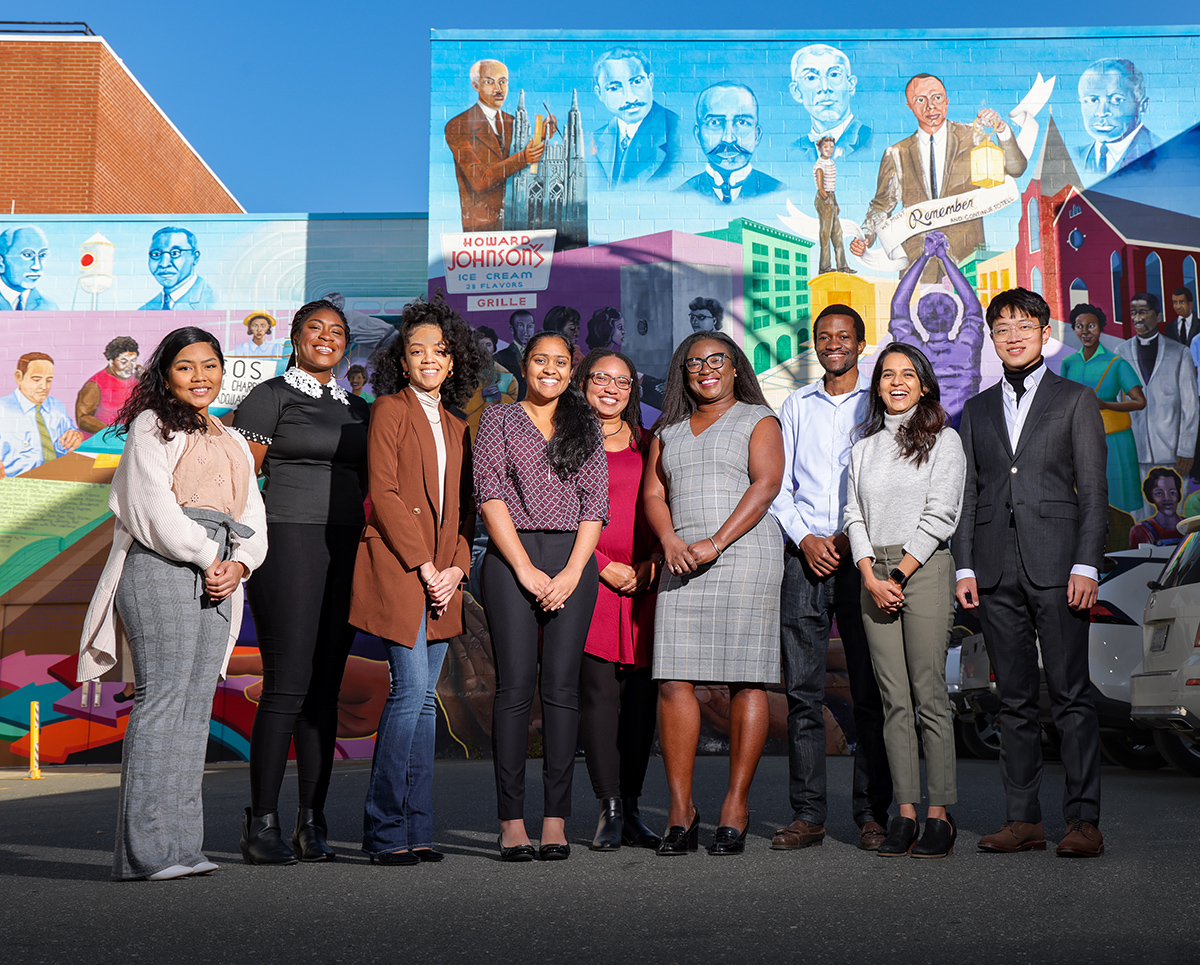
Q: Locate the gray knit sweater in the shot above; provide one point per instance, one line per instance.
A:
(893, 502)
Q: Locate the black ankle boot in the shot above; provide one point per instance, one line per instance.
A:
(308, 841)
(938, 839)
(634, 832)
(262, 842)
(902, 832)
(610, 826)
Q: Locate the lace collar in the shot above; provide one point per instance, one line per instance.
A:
(301, 381)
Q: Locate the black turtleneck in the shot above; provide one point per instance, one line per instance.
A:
(1017, 379)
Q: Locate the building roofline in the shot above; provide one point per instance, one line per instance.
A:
(95, 39)
(808, 36)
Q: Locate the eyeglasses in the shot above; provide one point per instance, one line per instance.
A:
(156, 254)
(601, 379)
(1022, 332)
(700, 317)
(716, 362)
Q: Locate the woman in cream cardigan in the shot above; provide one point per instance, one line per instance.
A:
(190, 527)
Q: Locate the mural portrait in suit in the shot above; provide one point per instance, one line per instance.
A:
(1112, 98)
(174, 256)
(728, 133)
(823, 84)
(641, 142)
(23, 254)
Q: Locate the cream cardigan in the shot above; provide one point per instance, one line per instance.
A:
(148, 512)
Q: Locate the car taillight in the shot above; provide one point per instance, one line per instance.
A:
(1107, 613)
(1194, 682)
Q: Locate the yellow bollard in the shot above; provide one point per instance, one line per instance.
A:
(35, 771)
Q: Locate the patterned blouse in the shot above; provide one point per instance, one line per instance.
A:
(510, 464)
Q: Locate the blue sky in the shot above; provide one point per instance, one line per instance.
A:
(324, 107)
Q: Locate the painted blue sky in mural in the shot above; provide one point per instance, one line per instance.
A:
(325, 108)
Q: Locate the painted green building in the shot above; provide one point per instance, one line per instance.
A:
(775, 269)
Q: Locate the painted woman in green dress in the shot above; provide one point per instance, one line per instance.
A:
(1119, 390)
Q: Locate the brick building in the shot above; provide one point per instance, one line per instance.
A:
(79, 134)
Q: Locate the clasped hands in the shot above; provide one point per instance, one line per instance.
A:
(629, 580)
(551, 592)
(439, 585)
(221, 578)
(681, 557)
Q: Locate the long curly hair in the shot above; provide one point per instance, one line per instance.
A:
(576, 428)
(463, 379)
(918, 435)
(632, 416)
(678, 403)
(301, 317)
(152, 392)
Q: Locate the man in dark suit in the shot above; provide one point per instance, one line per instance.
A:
(1028, 549)
(642, 142)
(480, 138)
(1112, 97)
(521, 324)
(1185, 326)
(935, 162)
(727, 130)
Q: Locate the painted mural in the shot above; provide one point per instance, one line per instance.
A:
(84, 303)
(744, 181)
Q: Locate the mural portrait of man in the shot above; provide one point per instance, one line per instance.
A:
(173, 258)
(934, 162)
(100, 398)
(480, 138)
(642, 141)
(823, 84)
(34, 428)
(1112, 98)
(728, 132)
(23, 254)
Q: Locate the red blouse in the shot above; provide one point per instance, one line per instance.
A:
(510, 465)
(622, 628)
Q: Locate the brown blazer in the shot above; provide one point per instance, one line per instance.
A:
(387, 598)
(482, 165)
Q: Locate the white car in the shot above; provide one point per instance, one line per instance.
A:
(1165, 694)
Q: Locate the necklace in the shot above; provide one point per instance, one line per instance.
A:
(609, 435)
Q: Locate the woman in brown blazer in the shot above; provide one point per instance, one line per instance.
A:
(414, 553)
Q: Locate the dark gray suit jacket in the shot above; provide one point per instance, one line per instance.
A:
(1055, 484)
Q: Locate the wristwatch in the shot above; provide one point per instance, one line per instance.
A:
(897, 576)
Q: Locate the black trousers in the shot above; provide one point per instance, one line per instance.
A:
(616, 725)
(515, 620)
(1012, 612)
(300, 600)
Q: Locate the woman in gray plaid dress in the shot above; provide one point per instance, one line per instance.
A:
(715, 463)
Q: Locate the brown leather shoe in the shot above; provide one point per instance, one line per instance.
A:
(1015, 836)
(1082, 840)
(798, 834)
(870, 836)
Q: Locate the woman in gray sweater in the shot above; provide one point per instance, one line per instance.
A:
(905, 493)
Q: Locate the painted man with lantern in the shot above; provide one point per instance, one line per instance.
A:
(937, 162)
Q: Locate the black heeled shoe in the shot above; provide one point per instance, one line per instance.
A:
(729, 840)
(938, 839)
(681, 840)
(610, 827)
(634, 831)
(261, 841)
(902, 833)
(518, 852)
(554, 852)
(396, 859)
(308, 840)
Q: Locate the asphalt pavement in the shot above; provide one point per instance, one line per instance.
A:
(829, 904)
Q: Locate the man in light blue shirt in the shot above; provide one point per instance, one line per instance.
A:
(821, 582)
(34, 428)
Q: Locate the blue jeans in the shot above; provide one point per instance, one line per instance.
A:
(399, 808)
(807, 607)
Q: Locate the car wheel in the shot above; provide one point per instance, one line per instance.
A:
(1179, 753)
(981, 736)
(1134, 749)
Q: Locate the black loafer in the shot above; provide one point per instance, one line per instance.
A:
(396, 859)
(681, 840)
(554, 852)
(518, 852)
(729, 840)
(902, 833)
(938, 839)
(428, 854)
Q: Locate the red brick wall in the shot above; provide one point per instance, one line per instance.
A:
(78, 135)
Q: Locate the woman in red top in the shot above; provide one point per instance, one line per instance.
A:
(617, 694)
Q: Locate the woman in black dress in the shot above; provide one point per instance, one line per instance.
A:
(309, 437)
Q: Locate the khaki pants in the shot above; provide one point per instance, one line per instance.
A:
(908, 652)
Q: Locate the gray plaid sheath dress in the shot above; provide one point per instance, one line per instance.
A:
(720, 623)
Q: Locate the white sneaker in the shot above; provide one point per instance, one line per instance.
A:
(175, 871)
(205, 867)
